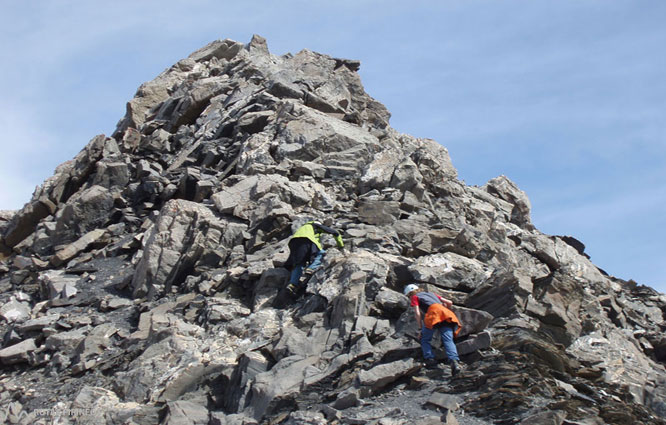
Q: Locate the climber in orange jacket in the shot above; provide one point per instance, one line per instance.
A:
(437, 316)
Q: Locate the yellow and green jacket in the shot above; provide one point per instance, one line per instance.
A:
(313, 231)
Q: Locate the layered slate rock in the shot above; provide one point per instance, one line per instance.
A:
(138, 283)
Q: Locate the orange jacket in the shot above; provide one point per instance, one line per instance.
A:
(437, 313)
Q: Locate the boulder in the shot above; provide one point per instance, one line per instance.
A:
(116, 303)
(183, 412)
(66, 342)
(54, 282)
(72, 250)
(391, 303)
(306, 418)
(348, 305)
(93, 403)
(85, 211)
(241, 198)
(378, 212)
(294, 342)
(164, 371)
(15, 311)
(279, 385)
(221, 49)
(224, 310)
(474, 343)
(347, 398)
(407, 177)
(546, 418)
(270, 282)
(506, 190)
(473, 321)
(450, 270)
(503, 294)
(93, 345)
(112, 174)
(314, 133)
(18, 353)
(38, 323)
(377, 378)
(379, 172)
(249, 365)
(24, 222)
(434, 164)
(444, 401)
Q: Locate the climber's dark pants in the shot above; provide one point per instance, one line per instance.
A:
(301, 253)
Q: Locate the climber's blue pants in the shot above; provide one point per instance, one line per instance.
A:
(446, 333)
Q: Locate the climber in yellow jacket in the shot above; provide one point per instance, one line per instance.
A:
(306, 249)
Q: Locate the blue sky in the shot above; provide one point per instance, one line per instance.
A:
(566, 98)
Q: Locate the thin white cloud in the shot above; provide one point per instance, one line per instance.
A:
(623, 207)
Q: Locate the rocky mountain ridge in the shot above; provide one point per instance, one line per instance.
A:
(137, 284)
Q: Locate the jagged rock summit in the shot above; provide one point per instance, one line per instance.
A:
(137, 284)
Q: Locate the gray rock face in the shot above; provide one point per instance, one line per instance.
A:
(183, 235)
(137, 285)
